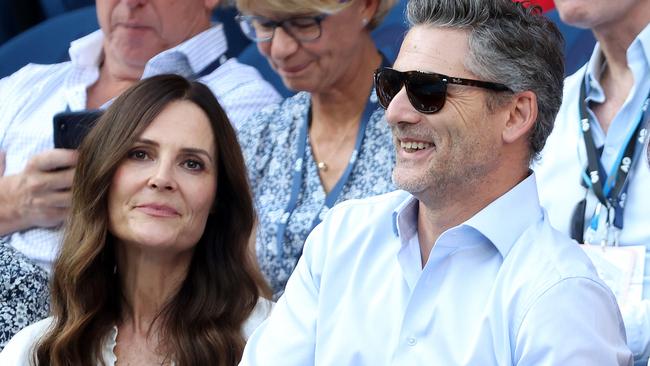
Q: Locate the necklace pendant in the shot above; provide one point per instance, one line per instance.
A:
(322, 166)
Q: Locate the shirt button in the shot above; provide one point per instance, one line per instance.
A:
(411, 341)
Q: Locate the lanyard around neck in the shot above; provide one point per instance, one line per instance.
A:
(610, 189)
(299, 167)
(210, 67)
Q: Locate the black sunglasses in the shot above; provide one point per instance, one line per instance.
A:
(426, 91)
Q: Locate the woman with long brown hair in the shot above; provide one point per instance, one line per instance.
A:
(154, 267)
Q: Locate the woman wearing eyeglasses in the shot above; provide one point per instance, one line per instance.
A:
(329, 142)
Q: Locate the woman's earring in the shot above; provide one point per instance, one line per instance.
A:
(364, 21)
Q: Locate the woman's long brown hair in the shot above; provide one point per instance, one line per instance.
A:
(202, 323)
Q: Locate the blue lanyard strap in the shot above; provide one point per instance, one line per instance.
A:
(611, 189)
(211, 67)
(299, 166)
(334, 194)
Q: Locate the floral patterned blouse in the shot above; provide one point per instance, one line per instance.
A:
(269, 141)
(24, 293)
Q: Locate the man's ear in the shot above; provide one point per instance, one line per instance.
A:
(522, 116)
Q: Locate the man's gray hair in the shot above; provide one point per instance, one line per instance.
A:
(510, 43)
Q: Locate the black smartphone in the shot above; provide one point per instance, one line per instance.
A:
(70, 128)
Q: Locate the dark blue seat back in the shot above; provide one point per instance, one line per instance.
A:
(47, 42)
(52, 8)
(237, 41)
(17, 16)
(578, 43)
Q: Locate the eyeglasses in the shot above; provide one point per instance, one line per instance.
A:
(260, 29)
(427, 92)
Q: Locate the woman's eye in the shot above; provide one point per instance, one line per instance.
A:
(138, 155)
(303, 22)
(193, 165)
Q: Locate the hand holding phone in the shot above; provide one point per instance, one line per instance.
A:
(40, 195)
(70, 128)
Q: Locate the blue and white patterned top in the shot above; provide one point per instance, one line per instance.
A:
(24, 292)
(269, 142)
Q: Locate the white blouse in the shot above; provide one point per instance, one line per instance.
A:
(19, 350)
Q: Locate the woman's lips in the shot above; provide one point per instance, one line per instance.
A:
(158, 210)
(292, 70)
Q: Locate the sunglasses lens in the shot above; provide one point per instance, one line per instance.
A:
(388, 83)
(426, 92)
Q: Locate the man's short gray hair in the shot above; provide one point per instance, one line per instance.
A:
(510, 43)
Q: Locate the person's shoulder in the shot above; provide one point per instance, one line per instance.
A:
(275, 118)
(354, 229)
(19, 349)
(572, 83)
(371, 209)
(552, 257)
(547, 267)
(243, 72)
(261, 311)
(30, 82)
(234, 75)
(388, 199)
(32, 73)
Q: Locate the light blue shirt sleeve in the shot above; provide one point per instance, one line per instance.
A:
(288, 336)
(565, 327)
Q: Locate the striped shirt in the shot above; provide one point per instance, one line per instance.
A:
(34, 94)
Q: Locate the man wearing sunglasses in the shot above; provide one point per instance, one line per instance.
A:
(593, 180)
(462, 267)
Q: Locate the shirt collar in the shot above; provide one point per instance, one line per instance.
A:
(405, 219)
(502, 222)
(87, 51)
(190, 57)
(638, 51)
(595, 68)
(643, 41)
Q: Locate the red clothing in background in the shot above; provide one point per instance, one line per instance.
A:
(545, 4)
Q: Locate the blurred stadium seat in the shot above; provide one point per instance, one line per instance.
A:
(47, 42)
(17, 16)
(52, 8)
(578, 43)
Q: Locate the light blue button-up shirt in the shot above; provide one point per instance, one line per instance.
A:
(564, 159)
(502, 288)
